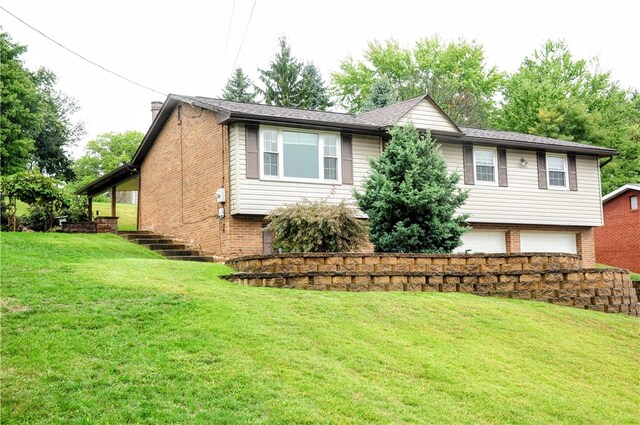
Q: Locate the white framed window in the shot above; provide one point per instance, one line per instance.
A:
(484, 165)
(557, 171)
(299, 155)
(270, 152)
(633, 200)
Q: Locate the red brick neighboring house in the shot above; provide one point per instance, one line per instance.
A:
(618, 241)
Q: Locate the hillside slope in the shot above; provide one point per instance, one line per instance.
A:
(98, 330)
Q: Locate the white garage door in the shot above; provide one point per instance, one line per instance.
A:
(475, 241)
(548, 242)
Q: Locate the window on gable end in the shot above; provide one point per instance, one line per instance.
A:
(633, 200)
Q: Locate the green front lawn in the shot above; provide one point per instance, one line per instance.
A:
(127, 213)
(98, 330)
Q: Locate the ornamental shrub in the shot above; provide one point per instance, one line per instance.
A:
(316, 226)
(411, 198)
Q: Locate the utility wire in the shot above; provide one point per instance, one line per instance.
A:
(244, 35)
(82, 57)
(226, 43)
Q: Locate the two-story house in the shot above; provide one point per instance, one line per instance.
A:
(209, 170)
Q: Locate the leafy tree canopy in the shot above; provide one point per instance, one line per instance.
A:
(411, 198)
(20, 121)
(36, 126)
(555, 95)
(106, 152)
(288, 82)
(454, 74)
(239, 88)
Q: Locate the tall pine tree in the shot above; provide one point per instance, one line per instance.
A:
(287, 82)
(238, 88)
(411, 198)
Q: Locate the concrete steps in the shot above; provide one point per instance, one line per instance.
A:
(163, 245)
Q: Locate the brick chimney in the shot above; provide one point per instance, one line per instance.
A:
(155, 108)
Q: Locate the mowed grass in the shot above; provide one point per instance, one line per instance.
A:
(127, 213)
(98, 330)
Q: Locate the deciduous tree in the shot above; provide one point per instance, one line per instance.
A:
(105, 153)
(555, 95)
(37, 125)
(454, 74)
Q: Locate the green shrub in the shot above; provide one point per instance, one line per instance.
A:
(316, 227)
(46, 200)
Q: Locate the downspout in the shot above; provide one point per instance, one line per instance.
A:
(602, 164)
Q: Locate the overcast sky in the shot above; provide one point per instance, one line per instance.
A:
(179, 46)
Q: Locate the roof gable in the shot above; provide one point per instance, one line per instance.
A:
(422, 111)
(620, 191)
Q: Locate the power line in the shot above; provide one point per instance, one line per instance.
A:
(244, 35)
(82, 57)
(226, 43)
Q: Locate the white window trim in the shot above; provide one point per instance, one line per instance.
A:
(631, 202)
(566, 171)
(281, 176)
(494, 152)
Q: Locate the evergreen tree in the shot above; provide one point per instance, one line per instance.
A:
(314, 90)
(411, 198)
(237, 88)
(287, 82)
(382, 94)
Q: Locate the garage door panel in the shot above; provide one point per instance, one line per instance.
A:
(485, 241)
(548, 242)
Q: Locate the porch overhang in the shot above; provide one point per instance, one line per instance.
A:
(123, 178)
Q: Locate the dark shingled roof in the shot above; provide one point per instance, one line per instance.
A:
(477, 134)
(389, 115)
(376, 122)
(277, 113)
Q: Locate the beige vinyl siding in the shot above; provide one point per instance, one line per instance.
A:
(425, 115)
(522, 202)
(259, 197)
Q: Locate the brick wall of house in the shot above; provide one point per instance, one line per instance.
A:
(584, 237)
(618, 241)
(179, 177)
(178, 180)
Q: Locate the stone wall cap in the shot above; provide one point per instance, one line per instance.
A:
(399, 255)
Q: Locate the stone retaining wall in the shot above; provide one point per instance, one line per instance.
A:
(79, 227)
(368, 263)
(554, 278)
(102, 224)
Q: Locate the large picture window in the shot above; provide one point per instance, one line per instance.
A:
(299, 155)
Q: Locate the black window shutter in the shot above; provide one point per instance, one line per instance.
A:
(502, 167)
(347, 159)
(467, 162)
(542, 170)
(252, 151)
(573, 173)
